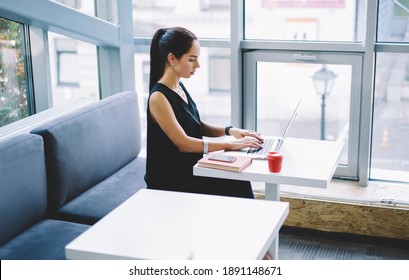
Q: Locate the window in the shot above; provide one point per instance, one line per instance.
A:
(14, 89)
(390, 119)
(219, 71)
(305, 20)
(86, 7)
(40, 70)
(74, 69)
(330, 89)
(307, 29)
(207, 19)
(390, 148)
(67, 62)
(393, 20)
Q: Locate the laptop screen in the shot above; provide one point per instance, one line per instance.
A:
(291, 120)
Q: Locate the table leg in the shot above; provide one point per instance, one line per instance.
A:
(272, 192)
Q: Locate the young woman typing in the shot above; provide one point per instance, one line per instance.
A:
(175, 130)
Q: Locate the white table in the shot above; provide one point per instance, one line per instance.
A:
(309, 163)
(172, 225)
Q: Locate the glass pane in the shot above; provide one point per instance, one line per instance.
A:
(393, 21)
(13, 84)
(305, 20)
(207, 19)
(390, 147)
(86, 6)
(209, 87)
(324, 111)
(74, 69)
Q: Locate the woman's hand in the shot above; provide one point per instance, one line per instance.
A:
(245, 142)
(239, 133)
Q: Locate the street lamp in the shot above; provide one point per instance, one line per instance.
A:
(323, 81)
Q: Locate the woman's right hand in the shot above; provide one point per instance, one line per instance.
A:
(245, 142)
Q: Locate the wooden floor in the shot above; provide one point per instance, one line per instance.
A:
(312, 245)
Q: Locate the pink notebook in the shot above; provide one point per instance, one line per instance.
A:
(238, 165)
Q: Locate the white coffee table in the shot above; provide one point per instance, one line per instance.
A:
(167, 225)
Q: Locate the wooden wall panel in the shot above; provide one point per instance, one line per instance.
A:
(348, 218)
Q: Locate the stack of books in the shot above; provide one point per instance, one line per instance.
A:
(237, 165)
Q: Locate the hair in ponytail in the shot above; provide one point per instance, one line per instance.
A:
(176, 40)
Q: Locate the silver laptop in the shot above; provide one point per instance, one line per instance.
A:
(271, 143)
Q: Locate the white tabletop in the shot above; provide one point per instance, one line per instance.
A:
(172, 225)
(306, 162)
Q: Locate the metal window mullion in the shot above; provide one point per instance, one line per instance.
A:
(126, 47)
(28, 72)
(236, 37)
(303, 46)
(368, 78)
(392, 48)
(115, 69)
(40, 66)
(250, 60)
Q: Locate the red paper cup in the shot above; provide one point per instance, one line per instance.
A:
(275, 161)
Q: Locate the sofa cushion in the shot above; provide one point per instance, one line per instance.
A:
(23, 189)
(88, 145)
(98, 201)
(45, 240)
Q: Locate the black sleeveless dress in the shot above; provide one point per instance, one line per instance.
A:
(167, 168)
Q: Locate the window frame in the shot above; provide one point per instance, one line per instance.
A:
(251, 58)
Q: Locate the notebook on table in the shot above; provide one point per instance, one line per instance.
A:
(237, 165)
(271, 143)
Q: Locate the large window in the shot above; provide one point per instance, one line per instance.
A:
(276, 49)
(390, 147)
(14, 89)
(48, 64)
(305, 20)
(329, 87)
(287, 45)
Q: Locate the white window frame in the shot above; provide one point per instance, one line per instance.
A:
(354, 60)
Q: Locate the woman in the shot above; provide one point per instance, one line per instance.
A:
(175, 131)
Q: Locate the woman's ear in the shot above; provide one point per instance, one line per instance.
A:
(171, 59)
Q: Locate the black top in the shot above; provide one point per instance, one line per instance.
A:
(166, 166)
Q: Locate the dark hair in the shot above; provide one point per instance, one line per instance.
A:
(176, 40)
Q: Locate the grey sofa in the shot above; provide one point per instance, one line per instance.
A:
(25, 230)
(66, 175)
(92, 158)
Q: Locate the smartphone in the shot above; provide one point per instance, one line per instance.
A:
(220, 157)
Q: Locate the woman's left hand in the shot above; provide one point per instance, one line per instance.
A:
(240, 133)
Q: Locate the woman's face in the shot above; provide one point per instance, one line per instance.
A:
(189, 62)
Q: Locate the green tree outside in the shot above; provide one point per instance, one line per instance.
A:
(13, 87)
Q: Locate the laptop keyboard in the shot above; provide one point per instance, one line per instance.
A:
(267, 144)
